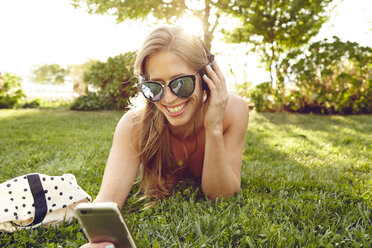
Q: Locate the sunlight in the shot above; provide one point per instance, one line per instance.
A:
(192, 25)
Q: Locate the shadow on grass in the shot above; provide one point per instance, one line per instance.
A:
(299, 198)
(341, 130)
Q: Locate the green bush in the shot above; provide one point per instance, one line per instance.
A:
(329, 78)
(31, 104)
(262, 96)
(10, 91)
(91, 101)
(115, 82)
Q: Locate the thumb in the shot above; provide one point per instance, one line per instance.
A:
(98, 245)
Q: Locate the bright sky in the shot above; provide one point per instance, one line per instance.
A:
(52, 31)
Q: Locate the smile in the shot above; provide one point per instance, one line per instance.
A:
(177, 110)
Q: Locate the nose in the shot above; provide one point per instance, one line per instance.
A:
(169, 97)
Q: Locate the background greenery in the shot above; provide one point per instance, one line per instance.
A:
(49, 74)
(10, 92)
(323, 77)
(327, 77)
(114, 81)
(306, 182)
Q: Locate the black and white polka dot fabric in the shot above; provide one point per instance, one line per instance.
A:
(34, 199)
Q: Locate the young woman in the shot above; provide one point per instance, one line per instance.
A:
(185, 129)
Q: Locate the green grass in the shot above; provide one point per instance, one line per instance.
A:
(306, 182)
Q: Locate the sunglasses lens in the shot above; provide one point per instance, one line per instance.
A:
(152, 91)
(183, 87)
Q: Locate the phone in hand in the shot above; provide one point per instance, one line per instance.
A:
(204, 84)
(103, 222)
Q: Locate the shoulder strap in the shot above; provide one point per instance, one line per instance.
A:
(39, 198)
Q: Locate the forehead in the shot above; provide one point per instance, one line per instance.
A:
(165, 65)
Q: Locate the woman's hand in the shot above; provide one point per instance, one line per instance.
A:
(98, 245)
(215, 105)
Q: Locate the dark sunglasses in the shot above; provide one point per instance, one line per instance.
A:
(182, 86)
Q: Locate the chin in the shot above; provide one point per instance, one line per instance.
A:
(178, 121)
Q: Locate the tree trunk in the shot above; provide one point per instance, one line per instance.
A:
(272, 62)
(207, 33)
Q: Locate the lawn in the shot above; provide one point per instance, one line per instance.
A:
(306, 182)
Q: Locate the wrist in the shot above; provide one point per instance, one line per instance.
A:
(214, 131)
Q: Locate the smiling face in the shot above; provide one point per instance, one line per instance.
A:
(164, 66)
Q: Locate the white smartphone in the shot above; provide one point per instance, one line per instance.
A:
(103, 222)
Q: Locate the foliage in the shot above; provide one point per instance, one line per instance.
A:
(90, 101)
(262, 97)
(49, 74)
(277, 26)
(41, 103)
(243, 89)
(208, 11)
(10, 91)
(325, 78)
(35, 103)
(305, 182)
(331, 77)
(115, 82)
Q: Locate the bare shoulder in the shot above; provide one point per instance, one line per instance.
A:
(128, 120)
(127, 127)
(236, 111)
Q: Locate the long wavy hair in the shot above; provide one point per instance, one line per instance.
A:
(160, 170)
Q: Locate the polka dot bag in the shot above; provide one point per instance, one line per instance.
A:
(32, 200)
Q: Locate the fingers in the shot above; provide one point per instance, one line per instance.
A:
(217, 72)
(98, 245)
(211, 85)
(216, 82)
(217, 78)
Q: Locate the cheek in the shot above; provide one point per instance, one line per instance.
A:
(198, 92)
(197, 97)
(158, 105)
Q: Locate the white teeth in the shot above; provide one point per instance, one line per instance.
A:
(176, 109)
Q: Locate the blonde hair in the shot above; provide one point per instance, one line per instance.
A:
(160, 169)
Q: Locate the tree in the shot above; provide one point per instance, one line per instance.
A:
(276, 26)
(208, 11)
(49, 74)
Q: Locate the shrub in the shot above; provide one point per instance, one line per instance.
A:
(329, 78)
(10, 91)
(115, 82)
(262, 97)
(91, 101)
(31, 104)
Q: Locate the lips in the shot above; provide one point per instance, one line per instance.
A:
(176, 110)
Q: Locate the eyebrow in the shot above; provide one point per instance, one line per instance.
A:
(162, 81)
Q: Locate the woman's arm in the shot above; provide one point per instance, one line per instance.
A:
(225, 123)
(122, 165)
(224, 151)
